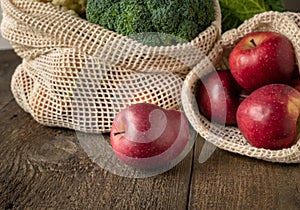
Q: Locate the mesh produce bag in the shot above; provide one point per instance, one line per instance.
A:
(78, 75)
(229, 137)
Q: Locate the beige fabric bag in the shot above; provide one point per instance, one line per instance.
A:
(78, 75)
(229, 138)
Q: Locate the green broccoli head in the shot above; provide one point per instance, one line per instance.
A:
(184, 19)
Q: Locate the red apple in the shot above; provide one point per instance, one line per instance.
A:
(219, 96)
(144, 135)
(262, 58)
(268, 116)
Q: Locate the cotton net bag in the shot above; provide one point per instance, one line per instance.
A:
(78, 75)
(229, 137)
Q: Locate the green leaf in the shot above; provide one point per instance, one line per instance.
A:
(235, 12)
(276, 5)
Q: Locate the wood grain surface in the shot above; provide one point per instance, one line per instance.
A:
(8, 62)
(46, 168)
(230, 181)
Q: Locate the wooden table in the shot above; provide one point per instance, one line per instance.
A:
(46, 168)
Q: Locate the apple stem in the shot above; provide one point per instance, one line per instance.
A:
(244, 95)
(120, 132)
(253, 42)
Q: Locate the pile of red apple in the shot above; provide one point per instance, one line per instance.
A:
(258, 93)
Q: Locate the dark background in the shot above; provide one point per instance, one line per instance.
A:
(292, 5)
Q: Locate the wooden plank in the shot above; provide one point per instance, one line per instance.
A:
(8, 63)
(42, 167)
(232, 181)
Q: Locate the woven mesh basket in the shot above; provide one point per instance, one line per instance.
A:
(78, 75)
(229, 137)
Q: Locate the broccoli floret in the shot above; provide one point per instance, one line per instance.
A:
(133, 18)
(183, 19)
(124, 17)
